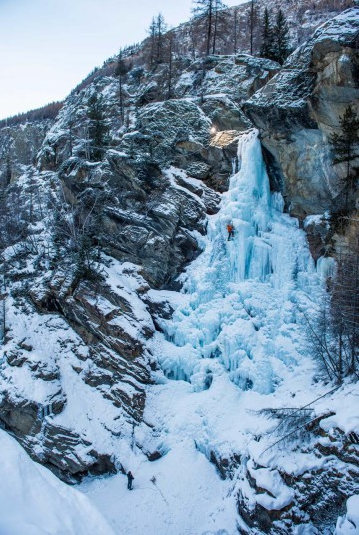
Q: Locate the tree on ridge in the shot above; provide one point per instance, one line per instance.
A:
(213, 14)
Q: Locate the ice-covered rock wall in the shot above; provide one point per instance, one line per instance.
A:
(241, 305)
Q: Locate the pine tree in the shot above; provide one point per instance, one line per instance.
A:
(252, 24)
(97, 129)
(267, 46)
(120, 72)
(281, 38)
(346, 146)
(152, 31)
(210, 10)
(161, 28)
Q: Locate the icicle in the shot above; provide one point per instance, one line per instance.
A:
(234, 166)
(45, 411)
(326, 267)
(277, 201)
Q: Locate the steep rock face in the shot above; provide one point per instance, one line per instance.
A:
(19, 146)
(84, 362)
(204, 93)
(75, 364)
(156, 154)
(301, 106)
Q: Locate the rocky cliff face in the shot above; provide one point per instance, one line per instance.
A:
(19, 146)
(87, 244)
(97, 236)
(299, 109)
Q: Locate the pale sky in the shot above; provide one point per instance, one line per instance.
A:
(48, 46)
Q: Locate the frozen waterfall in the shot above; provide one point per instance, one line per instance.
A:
(239, 312)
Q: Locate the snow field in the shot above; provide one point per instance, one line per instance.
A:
(178, 494)
(35, 502)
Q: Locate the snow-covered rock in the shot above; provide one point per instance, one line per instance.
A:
(301, 106)
(349, 524)
(19, 146)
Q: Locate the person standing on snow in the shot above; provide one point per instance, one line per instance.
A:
(130, 478)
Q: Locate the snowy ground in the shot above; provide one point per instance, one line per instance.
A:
(34, 502)
(186, 496)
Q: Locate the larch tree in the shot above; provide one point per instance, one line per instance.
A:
(152, 32)
(170, 43)
(192, 34)
(345, 146)
(220, 20)
(210, 12)
(235, 29)
(120, 72)
(156, 31)
(252, 24)
(334, 331)
(345, 311)
(161, 28)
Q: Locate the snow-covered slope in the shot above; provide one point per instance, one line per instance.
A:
(34, 502)
(349, 524)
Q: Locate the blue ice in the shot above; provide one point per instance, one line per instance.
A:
(242, 317)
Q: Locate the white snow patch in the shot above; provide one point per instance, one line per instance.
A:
(349, 524)
(34, 502)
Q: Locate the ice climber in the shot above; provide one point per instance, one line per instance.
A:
(230, 229)
(130, 478)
